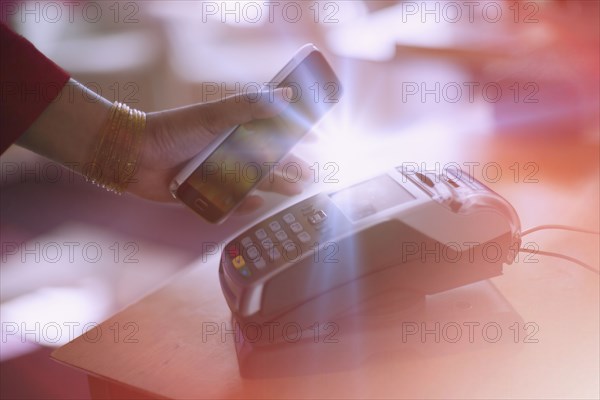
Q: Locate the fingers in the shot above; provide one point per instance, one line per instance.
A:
(291, 158)
(278, 182)
(288, 177)
(281, 180)
(250, 203)
(178, 134)
(222, 115)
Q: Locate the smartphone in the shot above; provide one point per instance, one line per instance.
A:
(215, 182)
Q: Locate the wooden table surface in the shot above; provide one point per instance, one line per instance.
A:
(161, 346)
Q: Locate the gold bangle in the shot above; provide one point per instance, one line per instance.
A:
(117, 151)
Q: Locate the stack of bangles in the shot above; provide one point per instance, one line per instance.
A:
(117, 150)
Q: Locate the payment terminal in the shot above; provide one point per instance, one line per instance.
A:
(406, 232)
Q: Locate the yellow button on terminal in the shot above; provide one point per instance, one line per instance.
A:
(238, 262)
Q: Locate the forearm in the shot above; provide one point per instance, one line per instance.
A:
(68, 129)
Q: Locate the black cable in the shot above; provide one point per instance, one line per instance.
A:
(562, 227)
(568, 258)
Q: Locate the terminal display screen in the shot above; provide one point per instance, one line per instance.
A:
(370, 197)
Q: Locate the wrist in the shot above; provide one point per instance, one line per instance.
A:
(66, 130)
(115, 156)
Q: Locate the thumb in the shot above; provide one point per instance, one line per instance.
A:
(241, 108)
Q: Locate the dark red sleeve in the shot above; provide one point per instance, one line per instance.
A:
(29, 83)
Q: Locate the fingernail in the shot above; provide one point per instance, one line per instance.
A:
(287, 93)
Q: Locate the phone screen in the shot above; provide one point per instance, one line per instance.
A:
(251, 152)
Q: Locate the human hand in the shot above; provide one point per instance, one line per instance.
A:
(173, 137)
(70, 128)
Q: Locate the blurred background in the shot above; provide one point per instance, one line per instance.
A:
(511, 85)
